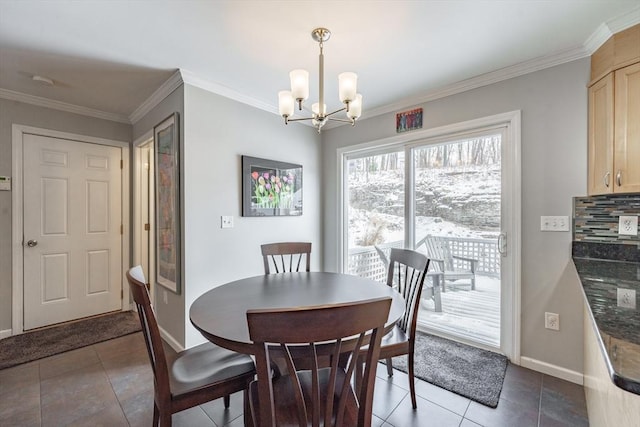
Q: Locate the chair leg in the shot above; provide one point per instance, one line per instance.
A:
(389, 367)
(248, 419)
(156, 415)
(359, 373)
(412, 381)
(227, 401)
(165, 419)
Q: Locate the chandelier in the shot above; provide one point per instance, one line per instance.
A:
(300, 92)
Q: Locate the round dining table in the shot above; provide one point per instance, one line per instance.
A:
(220, 314)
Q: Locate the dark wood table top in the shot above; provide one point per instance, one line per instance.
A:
(220, 314)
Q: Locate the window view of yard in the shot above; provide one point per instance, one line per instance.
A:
(457, 194)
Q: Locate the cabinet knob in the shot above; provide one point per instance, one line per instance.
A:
(605, 179)
(619, 178)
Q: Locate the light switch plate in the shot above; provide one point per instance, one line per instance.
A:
(626, 298)
(226, 221)
(5, 183)
(554, 223)
(628, 225)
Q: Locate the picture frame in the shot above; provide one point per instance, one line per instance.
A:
(271, 188)
(166, 137)
(409, 120)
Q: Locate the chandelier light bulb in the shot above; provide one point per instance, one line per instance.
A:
(316, 109)
(299, 85)
(355, 108)
(347, 86)
(285, 103)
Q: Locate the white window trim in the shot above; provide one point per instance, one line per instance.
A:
(510, 335)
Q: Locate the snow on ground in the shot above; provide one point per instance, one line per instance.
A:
(376, 215)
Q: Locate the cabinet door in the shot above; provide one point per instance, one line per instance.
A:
(600, 179)
(627, 129)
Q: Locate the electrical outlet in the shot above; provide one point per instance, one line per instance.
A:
(165, 297)
(226, 221)
(554, 223)
(628, 225)
(626, 298)
(552, 321)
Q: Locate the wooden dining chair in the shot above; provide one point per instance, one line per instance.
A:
(320, 355)
(406, 273)
(197, 375)
(286, 256)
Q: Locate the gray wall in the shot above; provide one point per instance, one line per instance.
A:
(217, 132)
(13, 112)
(554, 169)
(169, 315)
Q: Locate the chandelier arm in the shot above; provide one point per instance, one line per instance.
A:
(337, 111)
(299, 119)
(333, 119)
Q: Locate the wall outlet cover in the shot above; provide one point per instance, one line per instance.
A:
(552, 321)
(628, 225)
(626, 298)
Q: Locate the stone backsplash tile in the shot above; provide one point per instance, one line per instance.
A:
(595, 218)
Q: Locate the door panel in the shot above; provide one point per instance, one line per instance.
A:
(72, 219)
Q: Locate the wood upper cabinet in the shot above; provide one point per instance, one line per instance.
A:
(626, 159)
(614, 116)
(601, 136)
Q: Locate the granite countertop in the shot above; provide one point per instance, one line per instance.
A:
(606, 284)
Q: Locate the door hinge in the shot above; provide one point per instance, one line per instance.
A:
(121, 294)
(147, 227)
(121, 229)
(121, 164)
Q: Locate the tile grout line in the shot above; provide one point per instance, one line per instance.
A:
(40, 393)
(540, 400)
(104, 369)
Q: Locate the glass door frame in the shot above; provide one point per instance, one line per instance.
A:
(507, 123)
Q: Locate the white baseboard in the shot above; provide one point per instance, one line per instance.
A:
(553, 370)
(5, 333)
(170, 340)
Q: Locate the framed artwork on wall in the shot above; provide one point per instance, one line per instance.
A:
(166, 137)
(271, 188)
(409, 120)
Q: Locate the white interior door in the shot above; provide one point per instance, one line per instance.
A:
(72, 230)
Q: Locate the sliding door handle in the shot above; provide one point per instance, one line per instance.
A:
(502, 244)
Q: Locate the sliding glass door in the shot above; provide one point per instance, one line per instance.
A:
(446, 197)
(457, 223)
(375, 219)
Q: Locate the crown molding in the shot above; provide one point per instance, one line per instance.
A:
(191, 79)
(624, 21)
(506, 73)
(171, 84)
(607, 29)
(597, 38)
(62, 106)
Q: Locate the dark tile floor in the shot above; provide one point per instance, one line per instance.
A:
(110, 384)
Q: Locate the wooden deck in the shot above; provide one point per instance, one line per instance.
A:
(470, 315)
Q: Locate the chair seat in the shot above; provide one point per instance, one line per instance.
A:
(205, 365)
(285, 404)
(395, 342)
(448, 275)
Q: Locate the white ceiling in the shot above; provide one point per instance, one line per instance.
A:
(110, 56)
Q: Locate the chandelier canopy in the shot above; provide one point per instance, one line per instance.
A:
(299, 92)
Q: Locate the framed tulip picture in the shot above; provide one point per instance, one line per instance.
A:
(271, 188)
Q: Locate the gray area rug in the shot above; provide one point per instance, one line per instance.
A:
(69, 336)
(468, 371)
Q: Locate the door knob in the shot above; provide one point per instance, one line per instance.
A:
(32, 243)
